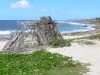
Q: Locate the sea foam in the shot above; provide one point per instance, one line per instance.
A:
(73, 23)
(79, 30)
(6, 32)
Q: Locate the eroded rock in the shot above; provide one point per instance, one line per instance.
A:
(40, 35)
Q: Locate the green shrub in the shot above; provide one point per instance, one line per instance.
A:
(68, 42)
(56, 42)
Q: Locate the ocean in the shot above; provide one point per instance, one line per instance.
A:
(8, 26)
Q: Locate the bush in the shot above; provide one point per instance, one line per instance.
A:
(56, 42)
(68, 42)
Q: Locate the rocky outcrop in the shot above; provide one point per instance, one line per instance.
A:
(40, 35)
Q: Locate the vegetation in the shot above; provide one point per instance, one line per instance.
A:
(86, 42)
(91, 37)
(97, 36)
(1, 38)
(39, 63)
(68, 42)
(56, 42)
(95, 21)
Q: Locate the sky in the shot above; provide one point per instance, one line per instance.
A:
(57, 9)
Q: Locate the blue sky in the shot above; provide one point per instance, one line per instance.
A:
(58, 9)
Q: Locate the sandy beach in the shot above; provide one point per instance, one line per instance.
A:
(76, 36)
(2, 44)
(83, 53)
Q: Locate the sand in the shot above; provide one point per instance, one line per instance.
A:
(2, 44)
(83, 53)
(75, 36)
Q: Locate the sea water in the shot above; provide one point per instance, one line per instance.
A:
(70, 27)
(8, 26)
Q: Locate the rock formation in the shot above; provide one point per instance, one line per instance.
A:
(40, 35)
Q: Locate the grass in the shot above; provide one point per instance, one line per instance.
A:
(56, 42)
(39, 63)
(86, 42)
(97, 36)
(91, 37)
(3, 39)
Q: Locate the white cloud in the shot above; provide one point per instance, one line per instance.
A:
(48, 10)
(21, 4)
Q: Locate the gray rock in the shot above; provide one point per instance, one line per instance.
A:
(40, 35)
